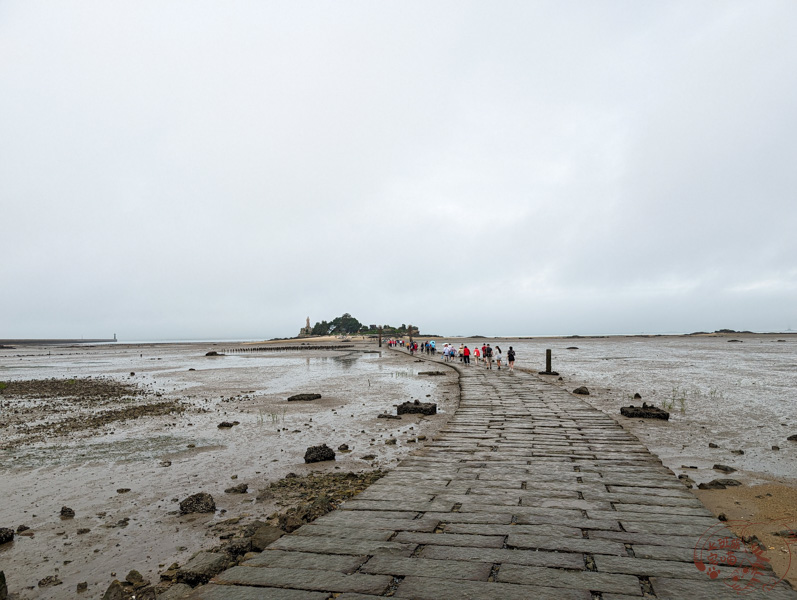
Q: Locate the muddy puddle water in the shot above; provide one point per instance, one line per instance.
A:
(124, 480)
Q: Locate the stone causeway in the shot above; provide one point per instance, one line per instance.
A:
(527, 493)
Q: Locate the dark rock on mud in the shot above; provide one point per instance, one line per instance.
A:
(417, 407)
(718, 484)
(82, 587)
(646, 411)
(787, 533)
(776, 447)
(792, 438)
(83, 531)
(572, 348)
(202, 568)
(50, 581)
(343, 447)
(228, 424)
(6, 535)
(712, 445)
(637, 396)
(241, 488)
(213, 353)
(265, 535)
(22, 528)
(304, 397)
(387, 416)
(115, 591)
(723, 468)
(67, 513)
(122, 490)
(198, 503)
(319, 454)
(687, 481)
(136, 579)
(583, 391)
(369, 457)
(432, 373)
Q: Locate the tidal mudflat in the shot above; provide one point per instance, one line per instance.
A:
(121, 434)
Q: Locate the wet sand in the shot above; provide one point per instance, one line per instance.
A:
(88, 469)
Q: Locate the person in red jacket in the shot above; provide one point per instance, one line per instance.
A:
(466, 356)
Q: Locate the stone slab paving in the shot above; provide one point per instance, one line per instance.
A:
(528, 492)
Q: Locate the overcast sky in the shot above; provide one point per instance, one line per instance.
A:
(185, 170)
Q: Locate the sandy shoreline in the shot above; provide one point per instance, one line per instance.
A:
(268, 444)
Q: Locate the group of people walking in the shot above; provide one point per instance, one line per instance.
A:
(484, 355)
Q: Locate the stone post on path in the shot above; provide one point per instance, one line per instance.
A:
(548, 370)
(380, 337)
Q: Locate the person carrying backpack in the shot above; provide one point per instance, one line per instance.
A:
(510, 359)
(488, 356)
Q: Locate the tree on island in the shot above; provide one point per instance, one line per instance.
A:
(348, 325)
(342, 325)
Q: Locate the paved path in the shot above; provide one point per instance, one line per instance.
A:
(528, 493)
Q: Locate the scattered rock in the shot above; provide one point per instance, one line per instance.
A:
(369, 457)
(417, 407)
(572, 348)
(227, 424)
(265, 535)
(728, 482)
(739, 452)
(637, 396)
(712, 445)
(319, 454)
(722, 517)
(646, 411)
(176, 592)
(83, 531)
(432, 373)
(387, 416)
(390, 442)
(22, 528)
(49, 581)
(343, 448)
(786, 533)
(82, 587)
(67, 513)
(122, 490)
(136, 579)
(165, 463)
(723, 468)
(198, 503)
(237, 489)
(776, 447)
(687, 481)
(115, 591)
(581, 390)
(213, 353)
(792, 438)
(718, 484)
(202, 568)
(6, 535)
(304, 397)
